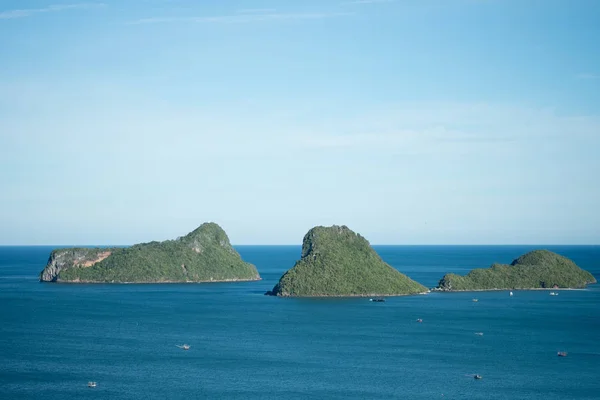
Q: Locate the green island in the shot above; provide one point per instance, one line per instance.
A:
(336, 262)
(203, 255)
(538, 269)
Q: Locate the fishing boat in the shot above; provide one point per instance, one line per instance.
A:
(562, 353)
(91, 384)
(419, 320)
(184, 346)
(477, 376)
(377, 300)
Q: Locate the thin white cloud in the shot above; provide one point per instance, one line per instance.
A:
(450, 129)
(240, 18)
(437, 139)
(586, 76)
(256, 11)
(27, 12)
(497, 130)
(369, 1)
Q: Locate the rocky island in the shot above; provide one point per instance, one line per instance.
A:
(337, 262)
(204, 255)
(538, 269)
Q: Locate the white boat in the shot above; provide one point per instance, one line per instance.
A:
(511, 293)
(479, 333)
(475, 300)
(91, 384)
(184, 346)
(553, 294)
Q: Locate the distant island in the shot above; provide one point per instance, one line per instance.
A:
(538, 269)
(204, 255)
(337, 262)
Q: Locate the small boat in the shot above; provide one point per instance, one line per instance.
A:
(91, 384)
(377, 300)
(553, 294)
(475, 300)
(419, 320)
(511, 293)
(562, 353)
(477, 376)
(184, 346)
(479, 333)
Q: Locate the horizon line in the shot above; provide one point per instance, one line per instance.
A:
(300, 244)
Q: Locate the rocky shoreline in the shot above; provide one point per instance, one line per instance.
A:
(156, 282)
(500, 290)
(270, 293)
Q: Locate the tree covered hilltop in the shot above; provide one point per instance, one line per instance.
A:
(336, 261)
(203, 255)
(537, 269)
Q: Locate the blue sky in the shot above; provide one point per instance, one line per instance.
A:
(412, 122)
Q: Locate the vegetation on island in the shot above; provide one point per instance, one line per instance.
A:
(537, 269)
(204, 255)
(336, 261)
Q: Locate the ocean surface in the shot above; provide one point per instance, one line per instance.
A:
(54, 338)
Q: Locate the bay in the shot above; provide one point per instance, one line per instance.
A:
(54, 338)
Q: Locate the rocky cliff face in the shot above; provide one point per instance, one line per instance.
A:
(66, 258)
(208, 234)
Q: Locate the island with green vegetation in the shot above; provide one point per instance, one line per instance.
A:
(204, 255)
(337, 262)
(538, 269)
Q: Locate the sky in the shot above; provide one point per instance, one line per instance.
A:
(409, 121)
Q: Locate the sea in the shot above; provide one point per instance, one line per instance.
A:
(55, 338)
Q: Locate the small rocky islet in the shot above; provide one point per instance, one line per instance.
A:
(337, 262)
(203, 255)
(538, 269)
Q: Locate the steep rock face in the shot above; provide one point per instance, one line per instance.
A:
(204, 255)
(208, 235)
(335, 261)
(67, 258)
(537, 269)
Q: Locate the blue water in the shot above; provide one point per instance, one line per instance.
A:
(55, 338)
